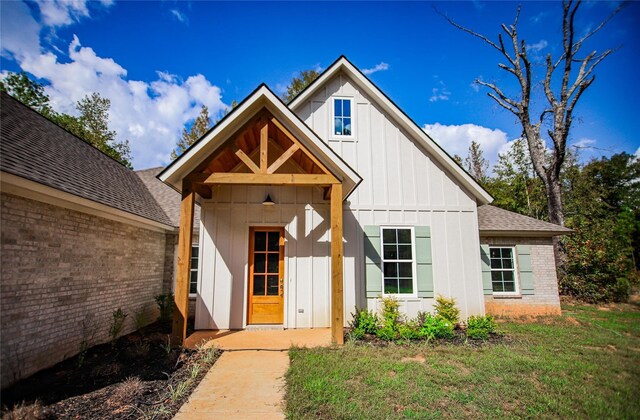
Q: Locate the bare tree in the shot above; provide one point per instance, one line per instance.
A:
(560, 103)
(476, 164)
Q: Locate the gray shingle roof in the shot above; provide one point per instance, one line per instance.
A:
(34, 148)
(493, 219)
(167, 197)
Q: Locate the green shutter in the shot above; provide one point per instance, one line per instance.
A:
(424, 263)
(486, 269)
(373, 261)
(524, 269)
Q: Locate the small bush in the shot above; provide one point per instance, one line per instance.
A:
(409, 331)
(446, 308)
(166, 304)
(365, 320)
(435, 327)
(387, 332)
(117, 324)
(390, 319)
(480, 327)
(141, 319)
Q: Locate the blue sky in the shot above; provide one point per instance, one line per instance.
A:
(159, 62)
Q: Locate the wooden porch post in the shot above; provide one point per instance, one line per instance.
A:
(337, 304)
(179, 328)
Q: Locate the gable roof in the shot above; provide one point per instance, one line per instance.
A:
(34, 148)
(499, 222)
(260, 98)
(343, 64)
(166, 196)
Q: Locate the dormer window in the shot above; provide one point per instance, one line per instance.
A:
(342, 120)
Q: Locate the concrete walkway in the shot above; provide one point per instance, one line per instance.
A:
(241, 385)
(247, 382)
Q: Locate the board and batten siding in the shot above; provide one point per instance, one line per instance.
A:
(401, 185)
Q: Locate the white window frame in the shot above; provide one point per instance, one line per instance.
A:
(192, 269)
(414, 270)
(516, 278)
(333, 135)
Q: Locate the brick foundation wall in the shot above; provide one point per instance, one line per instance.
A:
(63, 273)
(545, 300)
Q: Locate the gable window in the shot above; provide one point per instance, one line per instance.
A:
(193, 275)
(503, 270)
(398, 260)
(342, 118)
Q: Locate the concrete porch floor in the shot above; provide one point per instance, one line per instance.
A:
(260, 340)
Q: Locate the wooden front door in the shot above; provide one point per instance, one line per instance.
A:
(266, 275)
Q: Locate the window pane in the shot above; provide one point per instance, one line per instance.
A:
(405, 286)
(506, 253)
(404, 236)
(338, 125)
(496, 276)
(509, 286)
(389, 236)
(258, 285)
(346, 130)
(274, 241)
(193, 282)
(404, 252)
(507, 263)
(195, 251)
(272, 285)
(338, 107)
(507, 275)
(194, 263)
(346, 108)
(496, 263)
(260, 241)
(494, 253)
(390, 285)
(497, 287)
(390, 269)
(272, 263)
(259, 263)
(390, 252)
(405, 270)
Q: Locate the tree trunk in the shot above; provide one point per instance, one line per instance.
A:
(553, 189)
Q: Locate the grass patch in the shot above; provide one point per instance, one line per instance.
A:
(585, 363)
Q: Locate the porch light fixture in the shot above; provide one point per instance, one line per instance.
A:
(268, 201)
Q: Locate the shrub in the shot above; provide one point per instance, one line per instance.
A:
(409, 331)
(166, 304)
(387, 332)
(117, 324)
(435, 327)
(365, 320)
(479, 327)
(390, 317)
(446, 308)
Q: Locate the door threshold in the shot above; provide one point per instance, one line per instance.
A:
(265, 327)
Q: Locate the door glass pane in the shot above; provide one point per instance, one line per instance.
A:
(274, 241)
(391, 285)
(272, 285)
(260, 241)
(272, 263)
(258, 285)
(259, 263)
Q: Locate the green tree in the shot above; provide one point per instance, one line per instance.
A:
(199, 127)
(476, 164)
(298, 84)
(27, 91)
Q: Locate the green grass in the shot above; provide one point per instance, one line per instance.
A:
(584, 364)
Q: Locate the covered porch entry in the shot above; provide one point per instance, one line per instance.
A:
(260, 146)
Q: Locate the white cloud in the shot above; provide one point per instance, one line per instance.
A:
(150, 114)
(440, 93)
(19, 31)
(181, 17)
(455, 139)
(584, 142)
(382, 66)
(65, 12)
(538, 46)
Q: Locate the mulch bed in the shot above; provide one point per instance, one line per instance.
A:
(138, 377)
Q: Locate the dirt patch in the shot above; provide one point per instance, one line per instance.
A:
(136, 377)
(417, 358)
(571, 320)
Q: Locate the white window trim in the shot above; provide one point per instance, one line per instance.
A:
(196, 269)
(413, 263)
(516, 271)
(332, 129)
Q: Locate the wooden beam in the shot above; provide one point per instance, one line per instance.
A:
(203, 191)
(247, 161)
(264, 147)
(310, 155)
(337, 303)
(271, 179)
(283, 158)
(181, 311)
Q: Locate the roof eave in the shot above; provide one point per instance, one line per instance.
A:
(525, 233)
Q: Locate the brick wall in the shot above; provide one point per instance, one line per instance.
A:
(545, 300)
(63, 272)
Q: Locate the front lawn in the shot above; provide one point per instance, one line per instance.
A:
(585, 363)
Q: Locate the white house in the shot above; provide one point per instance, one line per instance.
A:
(313, 208)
